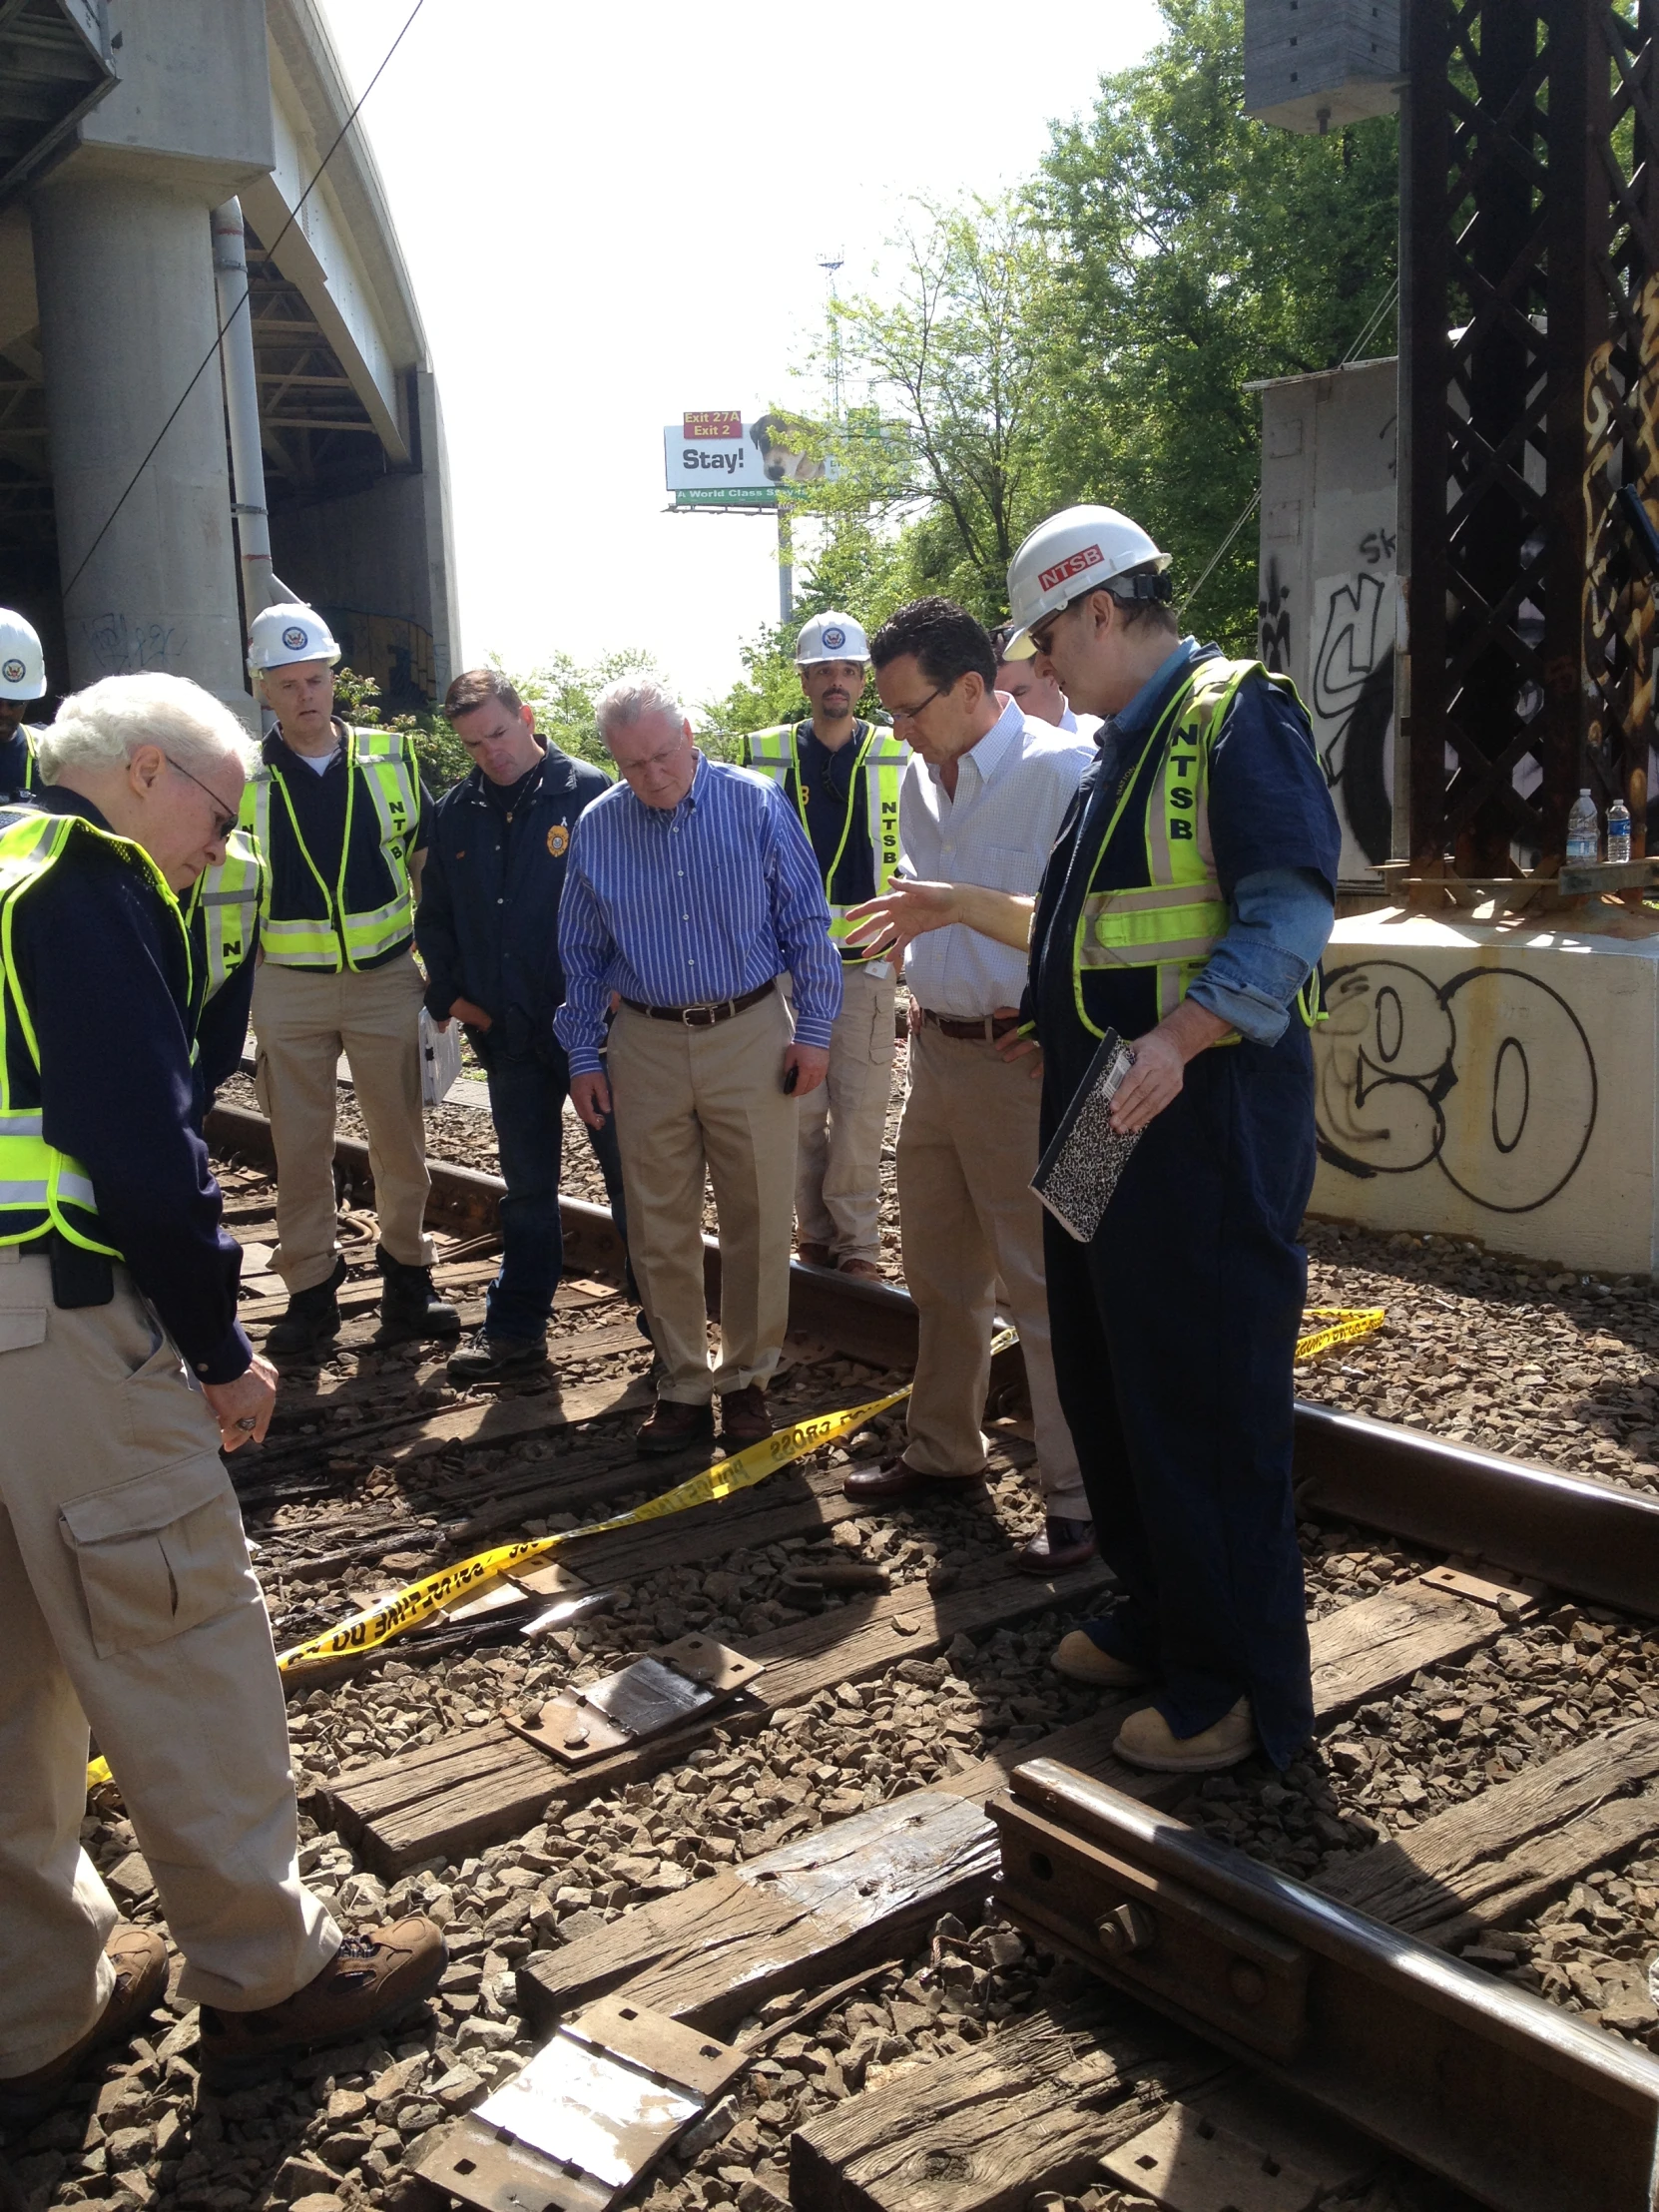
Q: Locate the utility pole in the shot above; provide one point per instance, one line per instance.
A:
(830, 263)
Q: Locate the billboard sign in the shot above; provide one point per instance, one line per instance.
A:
(712, 458)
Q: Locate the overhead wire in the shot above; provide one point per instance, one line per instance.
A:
(1255, 500)
(217, 346)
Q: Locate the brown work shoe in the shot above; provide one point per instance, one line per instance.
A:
(674, 1427)
(371, 1981)
(1062, 1543)
(815, 1255)
(744, 1418)
(139, 1956)
(860, 1269)
(895, 1481)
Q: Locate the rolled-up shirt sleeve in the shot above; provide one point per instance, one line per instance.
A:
(1279, 923)
(586, 955)
(800, 920)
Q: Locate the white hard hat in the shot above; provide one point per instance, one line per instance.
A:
(22, 663)
(279, 636)
(830, 637)
(1078, 550)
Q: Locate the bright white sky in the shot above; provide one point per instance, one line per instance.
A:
(614, 213)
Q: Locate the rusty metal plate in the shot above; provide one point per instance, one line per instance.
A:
(1514, 1600)
(701, 2064)
(486, 2168)
(571, 1729)
(717, 1666)
(581, 2106)
(1190, 2164)
(647, 1697)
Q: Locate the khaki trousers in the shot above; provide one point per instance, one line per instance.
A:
(690, 1100)
(304, 1020)
(967, 1150)
(128, 1601)
(837, 1190)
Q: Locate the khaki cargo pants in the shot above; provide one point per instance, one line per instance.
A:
(128, 1601)
(837, 1189)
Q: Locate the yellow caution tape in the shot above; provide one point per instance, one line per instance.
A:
(470, 1578)
(1343, 1324)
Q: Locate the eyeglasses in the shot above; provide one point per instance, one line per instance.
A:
(222, 824)
(1041, 633)
(914, 714)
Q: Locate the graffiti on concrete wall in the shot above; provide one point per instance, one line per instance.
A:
(1487, 1078)
(1353, 700)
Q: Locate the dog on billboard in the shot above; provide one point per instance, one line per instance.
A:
(775, 438)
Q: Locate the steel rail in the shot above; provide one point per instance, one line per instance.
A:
(1587, 1539)
(1514, 2100)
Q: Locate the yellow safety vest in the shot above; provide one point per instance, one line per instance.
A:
(31, 734)
(42, 1188)
(382, 766)
(880, 760)
(1174, 919)
(220, 911)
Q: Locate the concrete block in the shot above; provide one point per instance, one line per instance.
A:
(1494, 1081)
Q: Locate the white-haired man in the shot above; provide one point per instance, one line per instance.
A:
(689, 891)
(125, 1582)
(342, 820)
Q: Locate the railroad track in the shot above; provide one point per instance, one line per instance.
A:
(801, 1876)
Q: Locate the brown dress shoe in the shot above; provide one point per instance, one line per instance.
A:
(815, 1255)
(861, 1271)
(139, 1956)
(674, 1427)
(1062, 1544)
(371, 1983)
(894, 1481)
(744, 1418)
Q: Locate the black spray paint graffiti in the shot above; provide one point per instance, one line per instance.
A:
(1488, 1076)
(1354, 691)
(1275, 632)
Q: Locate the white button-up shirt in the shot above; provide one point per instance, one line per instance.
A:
(1012, 792)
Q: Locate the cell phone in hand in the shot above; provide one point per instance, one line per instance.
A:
(792, 1076)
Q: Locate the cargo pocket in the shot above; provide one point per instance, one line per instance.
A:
(22, 1327)
(158, 1554)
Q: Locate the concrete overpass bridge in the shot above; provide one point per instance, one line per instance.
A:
(123, 127)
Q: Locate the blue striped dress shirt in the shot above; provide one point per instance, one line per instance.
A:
(686, 906)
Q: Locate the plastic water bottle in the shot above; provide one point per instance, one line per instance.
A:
(1584, 832)
(1618, 831)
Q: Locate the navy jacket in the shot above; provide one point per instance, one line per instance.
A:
(105, 976)
(488, 927)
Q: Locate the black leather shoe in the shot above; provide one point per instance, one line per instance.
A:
(312, 1316)
(1062, 1544)
(498, 1359)
(894, 1481)
(410, 1309)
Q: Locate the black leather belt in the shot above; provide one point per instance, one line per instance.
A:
(988, 1025)
(702, 1017)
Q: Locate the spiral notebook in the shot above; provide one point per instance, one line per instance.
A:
(1080, 1171)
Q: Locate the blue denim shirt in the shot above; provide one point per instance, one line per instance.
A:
(1280, 916)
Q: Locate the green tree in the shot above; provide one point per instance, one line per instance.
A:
(1193, 252)
(953, 356)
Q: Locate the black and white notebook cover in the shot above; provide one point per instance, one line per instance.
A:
(1080, 1171)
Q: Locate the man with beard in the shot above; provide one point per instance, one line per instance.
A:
(843, 774)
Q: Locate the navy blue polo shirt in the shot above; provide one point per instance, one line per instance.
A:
(320, 810)
(830, 788)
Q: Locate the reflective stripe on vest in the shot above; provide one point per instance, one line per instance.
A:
(42, 1188)
(222, 908)
(880, 760)
(381, 765)
(1172, 921)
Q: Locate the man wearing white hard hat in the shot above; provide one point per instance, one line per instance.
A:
(342, 820)
(1185, 907)
(842, 775)
(22, 678)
